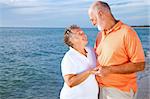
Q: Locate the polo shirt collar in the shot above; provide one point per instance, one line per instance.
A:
(75, 51)
(72, 49)
(114, 28)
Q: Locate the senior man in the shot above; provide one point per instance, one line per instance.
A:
(119, 54)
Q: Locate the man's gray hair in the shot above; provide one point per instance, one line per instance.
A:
(97, 5)
(68, 34)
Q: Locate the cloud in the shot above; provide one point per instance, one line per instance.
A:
(38, 6)
(36, 12)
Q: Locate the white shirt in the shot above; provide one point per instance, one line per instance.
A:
(74, 63)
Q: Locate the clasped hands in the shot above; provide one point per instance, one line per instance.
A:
(100, 70)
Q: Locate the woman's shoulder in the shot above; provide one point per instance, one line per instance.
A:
(68, 55)
(89, 48)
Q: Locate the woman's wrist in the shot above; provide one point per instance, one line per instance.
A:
(89, 72)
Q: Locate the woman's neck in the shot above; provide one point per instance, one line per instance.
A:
(81, 50)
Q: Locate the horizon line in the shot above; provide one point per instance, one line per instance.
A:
(60, 27)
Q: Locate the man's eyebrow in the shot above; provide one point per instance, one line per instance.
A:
(91, 19)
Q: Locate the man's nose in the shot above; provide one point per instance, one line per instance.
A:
(94, 24)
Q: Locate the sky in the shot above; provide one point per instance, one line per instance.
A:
(62, 13)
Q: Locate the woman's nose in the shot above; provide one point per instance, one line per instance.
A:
(84, 35)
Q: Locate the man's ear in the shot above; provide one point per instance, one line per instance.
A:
(100, 13)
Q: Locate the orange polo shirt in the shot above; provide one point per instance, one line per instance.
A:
(116, 46)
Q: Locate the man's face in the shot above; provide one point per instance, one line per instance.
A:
(94, 20)
(79, 37)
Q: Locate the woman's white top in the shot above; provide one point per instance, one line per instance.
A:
(75, 63)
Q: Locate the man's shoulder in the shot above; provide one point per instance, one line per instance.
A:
(126, 29)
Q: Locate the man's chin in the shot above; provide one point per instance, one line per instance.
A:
(99, 29)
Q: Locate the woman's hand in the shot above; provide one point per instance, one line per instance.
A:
(95, 70)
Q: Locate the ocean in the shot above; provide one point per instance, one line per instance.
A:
(30, 61)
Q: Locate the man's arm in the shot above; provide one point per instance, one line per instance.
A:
(126, 68)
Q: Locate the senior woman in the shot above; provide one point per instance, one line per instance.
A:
(78, 67)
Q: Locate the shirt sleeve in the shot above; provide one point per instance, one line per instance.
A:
(67, 66)
(134, 47)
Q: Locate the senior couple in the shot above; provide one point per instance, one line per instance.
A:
(107, 71)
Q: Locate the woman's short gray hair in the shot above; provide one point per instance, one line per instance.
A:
(68, 33)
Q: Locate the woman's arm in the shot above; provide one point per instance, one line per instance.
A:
(75, 79)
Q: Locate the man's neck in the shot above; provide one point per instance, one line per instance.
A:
(111, 24)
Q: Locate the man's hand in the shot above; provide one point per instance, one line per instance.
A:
(102, 71)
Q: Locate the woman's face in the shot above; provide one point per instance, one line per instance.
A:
(79, 38)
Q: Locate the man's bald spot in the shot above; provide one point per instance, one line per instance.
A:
(99, 5)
